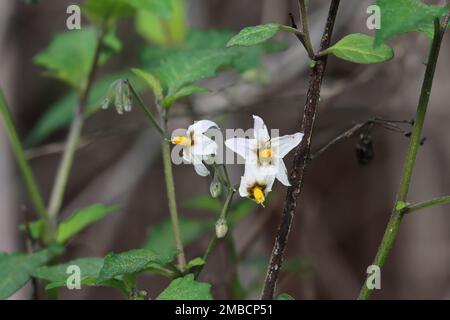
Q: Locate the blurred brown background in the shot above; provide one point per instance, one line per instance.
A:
(345, 206)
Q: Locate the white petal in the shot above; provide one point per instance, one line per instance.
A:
(202, 126)
(199, 167)
(246, 148)
(282, 145)
(261, 132)
(243, 187)
(282, 174)
(187, 155)
(202, 145)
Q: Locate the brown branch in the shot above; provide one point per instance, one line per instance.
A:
(301, 158)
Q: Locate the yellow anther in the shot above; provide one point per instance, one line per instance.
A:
(258, 195)
(184, 141)
(266, 153)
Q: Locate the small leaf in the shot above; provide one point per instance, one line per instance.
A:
(428, 29)
(186, 288)
(36, 229)
(168, 101)
(160, 238)
(358, 48)
(284, 296)
(70, 55)
(15, 268)
(401, 16)
(130, 263)
(151, 81)
(80, 219)
(251, 36)
(196, 262)
(106, 11)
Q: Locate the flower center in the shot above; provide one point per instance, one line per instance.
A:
(266, 153)
(184, 141)
(258, 195)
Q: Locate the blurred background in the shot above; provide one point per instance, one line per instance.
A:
(345, 205)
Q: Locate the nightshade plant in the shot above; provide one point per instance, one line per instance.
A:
(170, 69)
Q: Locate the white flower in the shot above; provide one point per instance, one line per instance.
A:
(196, 146)
(256, 184)
(264, 152)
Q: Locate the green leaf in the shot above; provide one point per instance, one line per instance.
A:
(162, 28)
(130, 263)
(80, 219)
(36, 229)
(358, 48)
(168, 101)
(204, 203)
(70, 55)
(161, 240)
(428, 29)
(162, 8)
(57, 275)
(196, 262)
(15, 268)
(186, 288)
(251, 36)
(107, 11)
(151, 81)
(402, 16)
(284, 296)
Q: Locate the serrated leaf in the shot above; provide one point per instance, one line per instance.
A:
(70, 55)
(359, 48)
(130, 263)
(186, 288)
(80, 219)
(284, 296)
(15, 269)
(106, 11)
(164, 29)
(151, 81)
(251, 36)
(183, 92)
(160, 238)
(402, 16)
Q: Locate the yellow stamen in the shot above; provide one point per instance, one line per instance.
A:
(258, 195)
(266, 153)
(181, 140)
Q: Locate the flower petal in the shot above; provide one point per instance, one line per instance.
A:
(261, 132)
(244, 147)
(282, 174)
(199, 167)
(202, 145)
(202, 126)
(282, 145)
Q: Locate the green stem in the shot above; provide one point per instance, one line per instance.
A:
(393, 226)
(305, 28)
(427, 204)
(168, 174)
(73, 139)
(25, 169)
(145, 109)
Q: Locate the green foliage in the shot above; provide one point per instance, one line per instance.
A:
(359, 48)
(186, 288)
(160, 238)
(15, 268)
(162, 8)
(151, 81)
(131, 263)
(162, 27)
(80, 219)
(428, 29)
(57, 275)
(107, 11)
(196, 262)
(401, 16)
(183, 92)
(70, 55)
(284, 296)
(251, 36)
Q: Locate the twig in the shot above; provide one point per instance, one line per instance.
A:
(305, 28)
(301, 158)
(426, 204)
(395, 220)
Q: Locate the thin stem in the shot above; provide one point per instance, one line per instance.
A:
(170, 186)
(393, 226)
(300, 160)
(25, 169)
(144, 108)
(64, 169)
(305, 27)
(212, 244)
(427, 204)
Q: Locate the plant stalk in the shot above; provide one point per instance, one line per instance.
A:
(393, 226)
(427, 204)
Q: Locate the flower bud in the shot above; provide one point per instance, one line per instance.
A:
(215, 188)
(221, 228)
